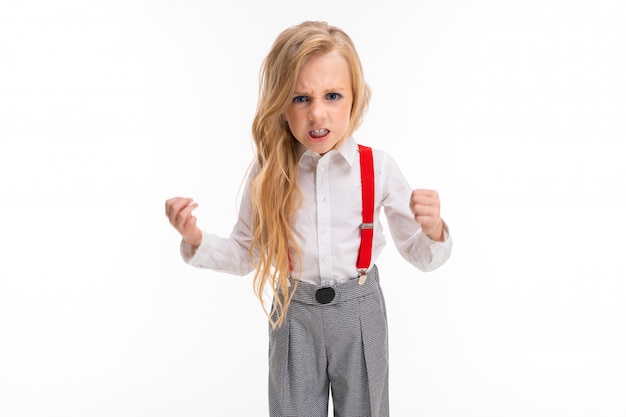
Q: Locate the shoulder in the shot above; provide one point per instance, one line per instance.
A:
(383, 161)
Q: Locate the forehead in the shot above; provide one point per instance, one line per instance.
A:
(324, 71)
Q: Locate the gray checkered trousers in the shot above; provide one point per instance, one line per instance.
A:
(340, 345)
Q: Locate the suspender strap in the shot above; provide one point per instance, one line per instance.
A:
(367, 194)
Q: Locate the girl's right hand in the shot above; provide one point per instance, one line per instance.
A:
(178, 211)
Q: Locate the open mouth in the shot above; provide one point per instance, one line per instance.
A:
(318, 133)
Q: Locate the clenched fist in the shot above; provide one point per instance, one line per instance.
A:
(178, 211)
(425, 208)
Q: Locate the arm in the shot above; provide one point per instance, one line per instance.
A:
(418, 231)
(221, 254)
(205, 250)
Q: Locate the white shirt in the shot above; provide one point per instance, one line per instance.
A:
(327, 224)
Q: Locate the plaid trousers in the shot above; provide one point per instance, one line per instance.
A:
(340, 346)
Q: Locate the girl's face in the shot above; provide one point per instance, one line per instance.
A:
(319, 112)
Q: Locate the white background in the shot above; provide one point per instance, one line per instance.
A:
(513, 110)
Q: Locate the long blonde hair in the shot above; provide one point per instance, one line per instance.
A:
(274, 191)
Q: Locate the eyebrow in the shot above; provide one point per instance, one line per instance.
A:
(326, 91)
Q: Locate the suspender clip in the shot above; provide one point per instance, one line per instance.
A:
(362, 276)
(367, 226)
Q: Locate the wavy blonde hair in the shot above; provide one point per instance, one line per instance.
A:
(274, 191)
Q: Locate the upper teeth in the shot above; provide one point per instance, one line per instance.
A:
(319, 132)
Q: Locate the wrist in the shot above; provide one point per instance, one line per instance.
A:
(194, 241)
(436, 233)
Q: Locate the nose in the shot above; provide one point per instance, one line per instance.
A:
(317, 111)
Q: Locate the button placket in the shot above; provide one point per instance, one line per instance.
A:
(323, 221)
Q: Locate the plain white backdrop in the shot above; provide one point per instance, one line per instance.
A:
(512, 110)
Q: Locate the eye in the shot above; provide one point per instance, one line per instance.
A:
(333, 96)
(300, 99)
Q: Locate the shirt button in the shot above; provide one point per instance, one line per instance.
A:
(322, 198)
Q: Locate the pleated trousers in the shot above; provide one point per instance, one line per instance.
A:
(339, 347)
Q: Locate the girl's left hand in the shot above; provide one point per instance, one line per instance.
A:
(425, 205)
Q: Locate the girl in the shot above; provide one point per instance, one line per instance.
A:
(309, 227)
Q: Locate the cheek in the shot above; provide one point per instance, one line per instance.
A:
(293, 123)
(293, 119)
(347, 112)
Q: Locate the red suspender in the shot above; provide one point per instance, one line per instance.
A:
(367, 227)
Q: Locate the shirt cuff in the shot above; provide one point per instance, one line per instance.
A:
(193, 257)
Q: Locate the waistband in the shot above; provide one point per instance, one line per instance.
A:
(306, 293)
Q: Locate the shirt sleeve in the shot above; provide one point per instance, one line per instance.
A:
(414, 246)
(226, 254)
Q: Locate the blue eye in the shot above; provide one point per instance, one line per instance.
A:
(300, 99)
(333, 96)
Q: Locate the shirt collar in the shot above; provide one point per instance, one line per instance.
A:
(348, 149)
